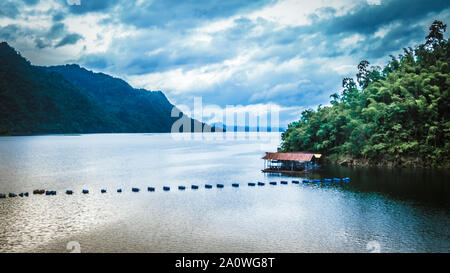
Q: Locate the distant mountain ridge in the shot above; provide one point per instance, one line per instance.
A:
(137, 110)
(71, 99)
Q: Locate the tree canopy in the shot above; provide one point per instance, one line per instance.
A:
(396, 115)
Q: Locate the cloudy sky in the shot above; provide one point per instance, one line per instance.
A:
(249, 54)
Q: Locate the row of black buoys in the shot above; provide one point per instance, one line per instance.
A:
(326, 180)
(12, 195)
(194, 187)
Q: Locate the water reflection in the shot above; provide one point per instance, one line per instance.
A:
(403, 211)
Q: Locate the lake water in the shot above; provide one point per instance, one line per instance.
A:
(381, 209)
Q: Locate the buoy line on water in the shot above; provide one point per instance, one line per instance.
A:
(181, 188)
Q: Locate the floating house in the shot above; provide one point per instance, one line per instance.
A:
(290, 162)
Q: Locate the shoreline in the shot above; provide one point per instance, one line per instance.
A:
(399, 163)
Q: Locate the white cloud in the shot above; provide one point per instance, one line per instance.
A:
(297, 12)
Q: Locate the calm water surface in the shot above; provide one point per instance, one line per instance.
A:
(401, 211)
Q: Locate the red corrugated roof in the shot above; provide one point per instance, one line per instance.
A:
(289, 156)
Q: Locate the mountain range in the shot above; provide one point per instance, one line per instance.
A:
(71, 99)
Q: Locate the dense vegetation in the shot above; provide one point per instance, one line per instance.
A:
(398, 115)
(36, 101)
(136, 110)
(70, 99)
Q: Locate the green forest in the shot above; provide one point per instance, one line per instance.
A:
(71, 99)
(393, 116)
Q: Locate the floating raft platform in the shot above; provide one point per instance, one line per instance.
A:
(288, 172)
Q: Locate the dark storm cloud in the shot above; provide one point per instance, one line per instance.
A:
(9, 32)
(58, 16)
(69, 39)
(11, 9)
(184, 14)
(56, 31)
(87, 6)
(366, 19)
(31, 2)
(397, 38)
(8, 9)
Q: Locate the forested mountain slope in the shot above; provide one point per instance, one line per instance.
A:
(71, 99)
